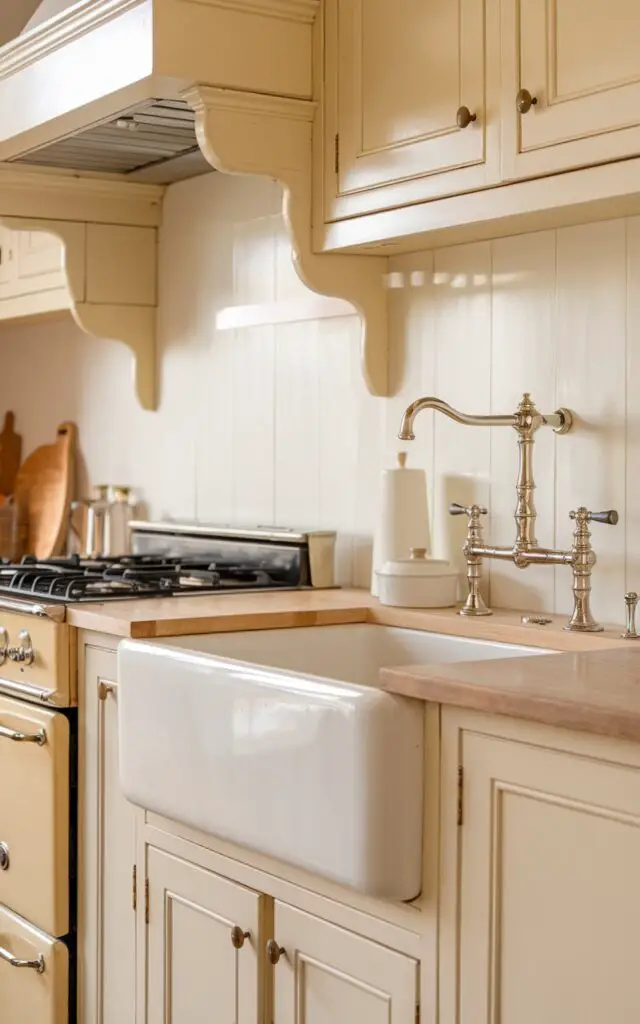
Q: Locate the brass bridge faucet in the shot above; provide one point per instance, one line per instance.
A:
(525, 550)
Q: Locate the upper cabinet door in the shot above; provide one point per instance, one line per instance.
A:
(398, 72)
(581, 64)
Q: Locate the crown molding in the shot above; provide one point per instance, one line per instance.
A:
(202, 98)
(63, 28)
(303, 11)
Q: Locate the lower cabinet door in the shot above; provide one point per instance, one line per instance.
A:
(34, 974)
(539, 883)
(327, 975)
(204, 946)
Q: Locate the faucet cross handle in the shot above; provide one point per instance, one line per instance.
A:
(473, 511)
(582, 515)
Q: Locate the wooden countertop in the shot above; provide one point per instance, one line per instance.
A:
(594, 691)
(218, 613)
(593, 685)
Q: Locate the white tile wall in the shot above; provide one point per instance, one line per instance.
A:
(273, 424)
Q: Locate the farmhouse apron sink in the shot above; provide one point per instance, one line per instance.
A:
(278, 740)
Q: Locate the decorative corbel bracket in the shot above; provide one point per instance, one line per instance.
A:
(248, 133)
(108, 232)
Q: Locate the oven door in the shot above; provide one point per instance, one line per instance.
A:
(34, 974)
(34, 815)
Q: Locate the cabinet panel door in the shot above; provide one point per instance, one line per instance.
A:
(546, 913)
(107, 947)
(40, 259)
(331, 976)
(582, 64)
(400, 70)
(194, 973)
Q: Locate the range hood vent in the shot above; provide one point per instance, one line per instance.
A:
(154, 141)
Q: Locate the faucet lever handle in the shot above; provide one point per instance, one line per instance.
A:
(467, 510)
(583, 515)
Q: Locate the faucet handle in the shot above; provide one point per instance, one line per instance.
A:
(583, 515)
(473, 511)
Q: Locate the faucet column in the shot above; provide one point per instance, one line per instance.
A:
(583, 561)
(474, 605)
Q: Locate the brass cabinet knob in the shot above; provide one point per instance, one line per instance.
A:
(238, 937)
(4, 857)
(274, 951)
(525, 101)
(464, 117)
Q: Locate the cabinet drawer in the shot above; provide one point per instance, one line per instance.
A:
(37, 994)
(34, 814)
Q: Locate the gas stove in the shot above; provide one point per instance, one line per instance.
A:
(170, 560)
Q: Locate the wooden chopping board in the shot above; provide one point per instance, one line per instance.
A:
(43, 493)
(10, 454)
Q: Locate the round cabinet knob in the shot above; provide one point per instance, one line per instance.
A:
(274, 951)
(525, 101)
(464, 117)
(238, 937)
(4, 857)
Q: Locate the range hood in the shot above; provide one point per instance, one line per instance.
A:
(98, 85)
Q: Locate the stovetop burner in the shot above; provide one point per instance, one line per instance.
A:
(75, 579)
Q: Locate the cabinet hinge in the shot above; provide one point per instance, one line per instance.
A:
(146, 901)
(336, 154)
(134, 887)
(460, 797)
(418, 1013)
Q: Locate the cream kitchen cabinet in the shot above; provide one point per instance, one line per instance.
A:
(107, 850)
(582, 69)
(204, 945)
(398, 75)
(326, 975)
(540, 899)
(32, 275)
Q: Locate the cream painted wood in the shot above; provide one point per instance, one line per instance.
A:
(588, 92)
(327, 975)
(107, 851)
(193, 971)
(397, 72)
(26, 994)
(539, 897)
(36, 883)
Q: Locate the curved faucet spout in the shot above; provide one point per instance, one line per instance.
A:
(406, 427)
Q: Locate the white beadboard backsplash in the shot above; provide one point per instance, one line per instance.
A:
(273, 424)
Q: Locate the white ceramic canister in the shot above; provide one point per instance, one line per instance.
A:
(418, 582)
(403, 518)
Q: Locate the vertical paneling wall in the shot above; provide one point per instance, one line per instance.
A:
(273, 423)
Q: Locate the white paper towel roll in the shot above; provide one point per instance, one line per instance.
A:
(403, 518)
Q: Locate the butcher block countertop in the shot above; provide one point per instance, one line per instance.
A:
(597, 691)
(592, 684)
(220, 613)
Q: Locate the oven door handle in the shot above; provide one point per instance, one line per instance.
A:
(34, 965)
(39, 737)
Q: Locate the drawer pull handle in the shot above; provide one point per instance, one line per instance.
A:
(274, 951)
(525, 101)
(39, 737)
(238, 937)
(33, 965)
(464, 117)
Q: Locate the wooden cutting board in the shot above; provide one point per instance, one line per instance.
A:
(10, 454)
(43, 493)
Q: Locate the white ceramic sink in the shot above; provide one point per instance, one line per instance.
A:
(278, 741)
